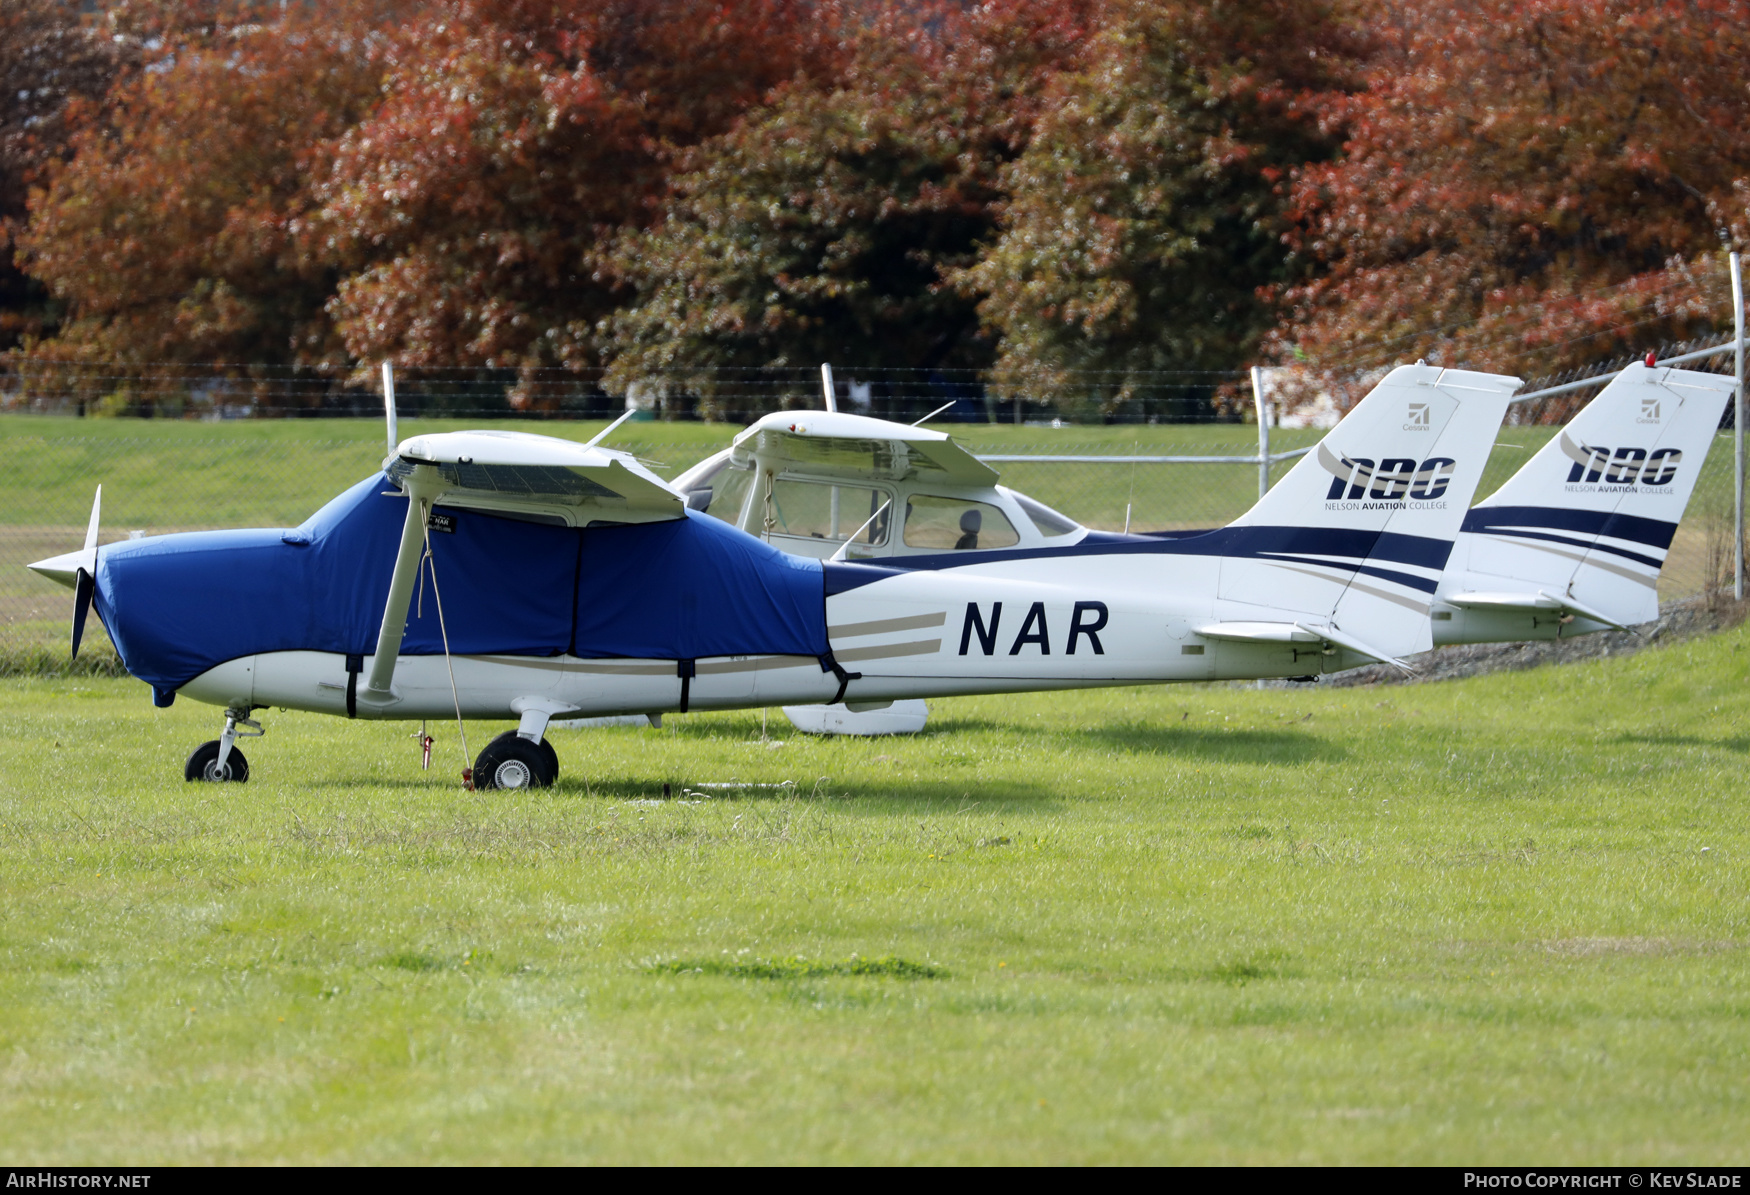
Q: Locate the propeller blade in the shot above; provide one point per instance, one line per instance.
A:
(91, 528)
(85, 583)
(82, 591)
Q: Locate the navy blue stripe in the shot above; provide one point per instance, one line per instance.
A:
(1242, 543)
(1580, 543)
(1409, 579)
(1654, 533)
(841, 578)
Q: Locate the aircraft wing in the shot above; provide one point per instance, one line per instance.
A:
(838, 443)
(516, 472)
(507, 473)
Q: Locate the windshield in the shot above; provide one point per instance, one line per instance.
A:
(1048, 521)
(721, 491)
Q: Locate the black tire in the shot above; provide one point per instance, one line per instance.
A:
(512, 762)
(202, 765)
(546, 748)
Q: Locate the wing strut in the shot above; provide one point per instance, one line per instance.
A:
(421, 486)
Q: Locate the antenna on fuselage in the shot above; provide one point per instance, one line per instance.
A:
(389, 406)
(827, 390)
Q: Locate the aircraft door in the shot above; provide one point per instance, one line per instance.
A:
(810, 517)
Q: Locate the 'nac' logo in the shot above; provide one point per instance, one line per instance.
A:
(1392, 478)
(1621, 466)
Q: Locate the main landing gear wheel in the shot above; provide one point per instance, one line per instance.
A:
(511, 761)
(204, 765)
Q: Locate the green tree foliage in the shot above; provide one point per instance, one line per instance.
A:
(821, 227)
(1146, 212)
(1529, 185)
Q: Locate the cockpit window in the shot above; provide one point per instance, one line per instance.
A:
(721, 492)
(956, 525)
(1048, 521)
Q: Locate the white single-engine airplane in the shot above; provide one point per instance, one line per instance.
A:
(533, 578)
(1572, 543)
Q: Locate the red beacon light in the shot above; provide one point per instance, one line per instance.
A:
(1652, 360)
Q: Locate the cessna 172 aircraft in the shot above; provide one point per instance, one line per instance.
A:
(1572, 543)
(564, 579)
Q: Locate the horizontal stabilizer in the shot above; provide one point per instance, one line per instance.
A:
(1531, 602)
(1503, 601)
(1259, 632)
(1296, 632)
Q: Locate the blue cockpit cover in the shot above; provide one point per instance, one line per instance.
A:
(177, 605)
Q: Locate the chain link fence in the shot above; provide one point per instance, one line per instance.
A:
(161, 476)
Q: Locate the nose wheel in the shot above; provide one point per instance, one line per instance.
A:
(218, 761)
(512, 761)
(204, 765)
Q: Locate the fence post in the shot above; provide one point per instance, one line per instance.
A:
(828, 391)
(1738, 431)
(393, 427)
(1263, 431)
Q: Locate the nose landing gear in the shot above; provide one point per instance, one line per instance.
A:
(218, 761)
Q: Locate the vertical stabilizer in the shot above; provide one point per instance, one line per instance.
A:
(1576, 539)
(1356, 537)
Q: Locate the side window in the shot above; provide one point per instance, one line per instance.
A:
(820, 510)
(956, 525)
(721, 494)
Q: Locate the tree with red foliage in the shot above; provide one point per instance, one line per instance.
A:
(172, 232)
(514, 140)
(50, 56)
(1146, 211)
(1528, 185)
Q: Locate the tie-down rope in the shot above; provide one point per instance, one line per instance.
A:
(429, 562)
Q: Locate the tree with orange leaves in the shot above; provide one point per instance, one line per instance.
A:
(174, 230)
(51, 59)
(1528, 185)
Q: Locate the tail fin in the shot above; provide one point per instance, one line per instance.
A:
(1355, 538)
(1577, 538)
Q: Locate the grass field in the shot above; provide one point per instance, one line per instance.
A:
(1501, 920)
